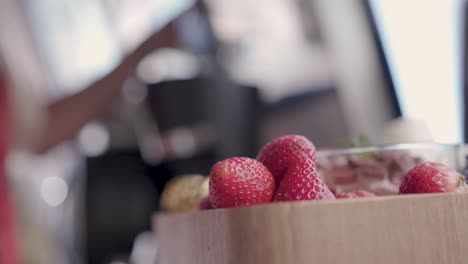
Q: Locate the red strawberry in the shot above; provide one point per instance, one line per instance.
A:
(205, 204)
(283, 152)
(302, 182)
(240, 181)
(356, 194)
(432, 177)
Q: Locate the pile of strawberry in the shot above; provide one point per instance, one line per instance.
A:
(285, 170)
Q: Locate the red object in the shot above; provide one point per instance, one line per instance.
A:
(205, 204)
(432, 177)
(284, 152)
(302, 182)
(7, 237)
(291, 160)
(356, 194)
(238, 182)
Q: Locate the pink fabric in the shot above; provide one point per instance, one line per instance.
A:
(7, 238)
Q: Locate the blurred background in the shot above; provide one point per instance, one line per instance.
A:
(244, 73)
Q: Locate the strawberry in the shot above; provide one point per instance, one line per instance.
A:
(302, 182)
(432, 177)
(283, 152)
(355, 194)
(291, 160)
(205, 204)
(238, 182)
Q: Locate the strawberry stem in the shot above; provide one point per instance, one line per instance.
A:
(461, 180)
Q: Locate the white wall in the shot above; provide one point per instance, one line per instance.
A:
(361, 87)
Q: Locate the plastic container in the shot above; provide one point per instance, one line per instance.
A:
(380, 169)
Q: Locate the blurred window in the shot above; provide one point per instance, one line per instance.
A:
(84, 39)
(264, 43)
(422, 43)
(75, 38)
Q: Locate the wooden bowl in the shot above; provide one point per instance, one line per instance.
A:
(413, 229)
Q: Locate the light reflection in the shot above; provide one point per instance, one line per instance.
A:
(54, 190)
(168, 64)
(94, 139)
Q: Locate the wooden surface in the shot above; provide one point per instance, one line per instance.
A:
(416, 229)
